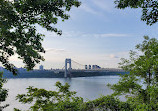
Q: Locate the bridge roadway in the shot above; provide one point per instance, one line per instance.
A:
(91, 72)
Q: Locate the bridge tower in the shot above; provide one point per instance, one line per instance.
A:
(67, 70)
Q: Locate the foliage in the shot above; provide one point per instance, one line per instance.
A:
(106, 103)
(65, 100)
(149, 8)
(60, 100)
(141, 84)
(3, 92)
(18, 33)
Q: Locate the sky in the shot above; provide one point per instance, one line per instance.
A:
(96, 33)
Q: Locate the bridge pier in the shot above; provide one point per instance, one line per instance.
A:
(67, 61)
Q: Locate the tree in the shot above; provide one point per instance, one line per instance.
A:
(149, 8)
(3, 92)
(61, 100)
(141, 84)
(65, 100)
(107, 103)
(18, 33)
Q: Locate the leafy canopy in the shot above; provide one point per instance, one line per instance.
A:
(141, 84)
(149, 8)
(3, 92)
(65, 100)
(18, 33)
(61, 100)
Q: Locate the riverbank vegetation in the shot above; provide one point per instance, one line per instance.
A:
(3, 92)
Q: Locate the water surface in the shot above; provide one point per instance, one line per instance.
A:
(87, 87)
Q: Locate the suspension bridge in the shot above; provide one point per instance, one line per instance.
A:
(75, 69)
(70, 69)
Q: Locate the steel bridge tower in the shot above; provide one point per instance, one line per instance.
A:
(67, 70)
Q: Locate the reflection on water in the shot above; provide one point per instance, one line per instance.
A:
(87, 87)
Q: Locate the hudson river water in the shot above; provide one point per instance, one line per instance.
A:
(87, 87)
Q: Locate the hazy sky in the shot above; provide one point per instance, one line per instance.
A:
(96, 33)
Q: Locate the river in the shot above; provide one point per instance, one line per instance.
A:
(87, 87)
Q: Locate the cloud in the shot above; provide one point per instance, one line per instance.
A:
(97, 7)
(88, 9)
(81, 34)
(111, 35)
(65, 34)
(105, 5)
(107, 35)
(15, 58)
(112, 56)
(117, 55)
(55, 50)
(72, 34)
